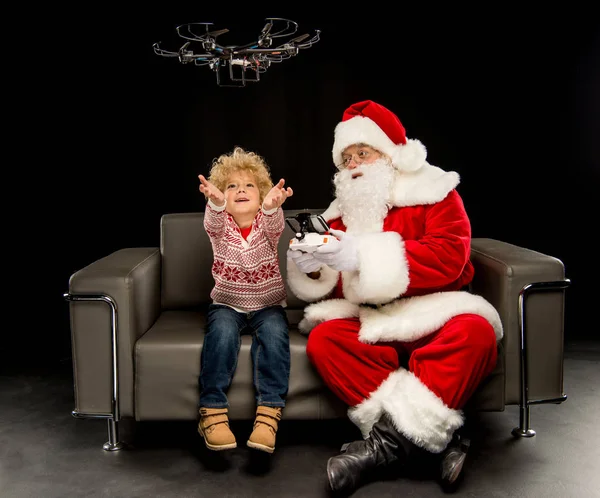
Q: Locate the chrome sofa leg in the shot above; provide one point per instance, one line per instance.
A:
(113, 443)
(524, 429)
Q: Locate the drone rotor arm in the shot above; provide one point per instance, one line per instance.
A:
(247, 48)
(265, 51)
(204, 61)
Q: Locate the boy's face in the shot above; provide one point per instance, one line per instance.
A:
(242, 194)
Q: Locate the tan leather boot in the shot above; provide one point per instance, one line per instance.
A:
(265, 429)
(214, 428)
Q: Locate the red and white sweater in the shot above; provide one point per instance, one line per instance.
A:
(246, 272)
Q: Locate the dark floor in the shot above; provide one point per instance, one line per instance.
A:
(46, 453)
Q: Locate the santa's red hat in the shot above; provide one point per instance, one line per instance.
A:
(372, 124)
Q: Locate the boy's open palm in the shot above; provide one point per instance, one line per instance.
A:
(277, 196)
(210, 191)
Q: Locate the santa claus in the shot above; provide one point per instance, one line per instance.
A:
(391, 328)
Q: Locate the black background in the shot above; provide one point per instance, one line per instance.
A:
(104, 136)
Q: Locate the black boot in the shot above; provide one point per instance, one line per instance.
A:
(453, 460)
(383, 446)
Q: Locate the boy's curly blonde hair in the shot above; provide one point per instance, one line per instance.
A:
(241, 160)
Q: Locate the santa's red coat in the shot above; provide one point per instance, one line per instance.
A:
(411, 276)
(422, 253)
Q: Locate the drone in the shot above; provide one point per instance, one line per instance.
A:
(245, 62)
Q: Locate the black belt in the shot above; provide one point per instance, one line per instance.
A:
(373, 306)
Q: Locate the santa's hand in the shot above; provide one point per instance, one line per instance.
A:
(341, 254)
(305, 261)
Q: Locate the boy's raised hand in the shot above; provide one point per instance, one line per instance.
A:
(277, 196)
(212, 192)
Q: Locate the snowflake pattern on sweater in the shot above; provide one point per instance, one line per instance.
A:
(246, 272)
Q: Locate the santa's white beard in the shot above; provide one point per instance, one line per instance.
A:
(364, 201)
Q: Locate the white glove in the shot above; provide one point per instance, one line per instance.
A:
(342, 254)
(305, 261)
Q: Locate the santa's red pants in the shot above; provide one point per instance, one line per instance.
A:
(450, 362)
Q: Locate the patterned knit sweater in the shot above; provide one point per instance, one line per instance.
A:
(246, 272)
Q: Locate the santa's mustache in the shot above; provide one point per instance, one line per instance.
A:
(378, 171)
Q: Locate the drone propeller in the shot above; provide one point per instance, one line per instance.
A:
(218, 32)
(267, 29)
(298, 39)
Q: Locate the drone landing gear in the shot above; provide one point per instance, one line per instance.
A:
(239, 74)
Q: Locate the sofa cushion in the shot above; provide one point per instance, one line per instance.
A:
(167, 366)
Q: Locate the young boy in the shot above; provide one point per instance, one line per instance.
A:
(244, 220)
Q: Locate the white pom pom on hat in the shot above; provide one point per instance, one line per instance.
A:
(372, 124)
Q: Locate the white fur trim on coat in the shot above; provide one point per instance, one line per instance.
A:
(360, 129)
(309, 289)
(326, 310)
(427, 185)
(382, 274)
(411, 318)
(414, 409)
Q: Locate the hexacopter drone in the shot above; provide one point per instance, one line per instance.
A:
(248, 60)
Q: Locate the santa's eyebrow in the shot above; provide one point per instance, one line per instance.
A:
(360, 146)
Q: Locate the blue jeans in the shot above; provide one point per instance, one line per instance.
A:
(270, 352)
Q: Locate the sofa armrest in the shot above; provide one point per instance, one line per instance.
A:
(502, 272)
(130, 278)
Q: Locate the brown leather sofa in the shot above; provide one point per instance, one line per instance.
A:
(137, 320)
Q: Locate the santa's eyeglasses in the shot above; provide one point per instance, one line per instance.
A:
(360, 156)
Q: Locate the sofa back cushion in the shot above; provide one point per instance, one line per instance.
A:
(187, 260)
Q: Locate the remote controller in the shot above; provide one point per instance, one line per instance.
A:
(309, 242)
